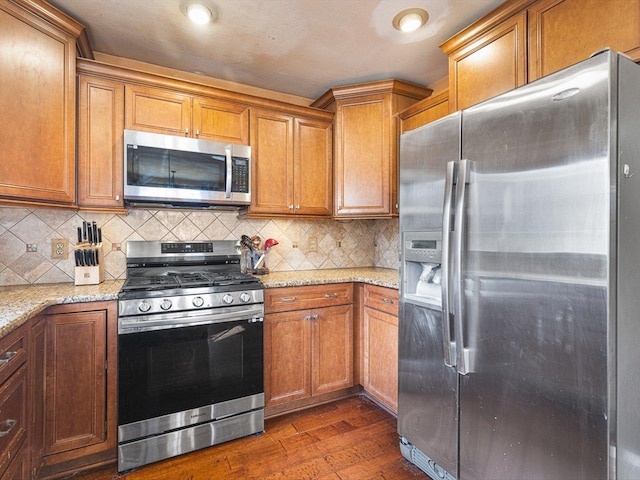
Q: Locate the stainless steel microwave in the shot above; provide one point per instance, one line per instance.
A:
(180, 171)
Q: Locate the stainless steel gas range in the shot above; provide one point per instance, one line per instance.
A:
(190, 354)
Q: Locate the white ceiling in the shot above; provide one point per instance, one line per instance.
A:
(299, 47)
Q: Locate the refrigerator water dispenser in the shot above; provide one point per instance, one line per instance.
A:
(421, 257)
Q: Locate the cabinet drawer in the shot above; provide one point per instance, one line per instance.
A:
(12, 352)
(312, 296)
(13, 397)
(381, 298)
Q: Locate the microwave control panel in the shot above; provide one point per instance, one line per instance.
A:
(240, 175)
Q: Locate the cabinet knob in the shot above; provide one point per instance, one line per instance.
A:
(186, 131)
(388, 300)
(291, 207)
(308, 317)
(118, 197)
(315, 317)
(289, 299)
(197, 132)
(331, 295)
(297, 207)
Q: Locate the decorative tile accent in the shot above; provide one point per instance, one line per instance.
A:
(357, 243)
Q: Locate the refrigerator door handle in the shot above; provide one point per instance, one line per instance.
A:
(462, 353)
(449, 194)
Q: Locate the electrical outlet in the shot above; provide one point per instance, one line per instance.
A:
(115, 247)
(59, 248)
(32, 247)
(312, 244)
(338, 244)
(294, 245)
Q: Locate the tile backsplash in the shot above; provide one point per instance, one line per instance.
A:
(354, 243)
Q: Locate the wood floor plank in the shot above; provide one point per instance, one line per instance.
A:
(349, 439)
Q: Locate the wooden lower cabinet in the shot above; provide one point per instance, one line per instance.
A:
(13, 402)
(19, 468)
(308, 352)
(380, 344)
(36, 394)
(80, 385)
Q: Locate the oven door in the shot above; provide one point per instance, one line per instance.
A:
(174, 377)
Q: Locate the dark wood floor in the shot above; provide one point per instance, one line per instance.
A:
(349, 439)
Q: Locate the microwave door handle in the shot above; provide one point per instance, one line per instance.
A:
(447, 315)
(227, 191)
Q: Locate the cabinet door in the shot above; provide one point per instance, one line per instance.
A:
(425, 111)
(19, 468)
(313, 176)
(100, 147)
(76, 382)
(332, 349)
(564, 32)
(272, 166)
(287, 357)
(220, 121)
(37, 107)
(381, 356)
(13, 417)
(363, 157)
(37, 395)
(156, 110)
(490, 65)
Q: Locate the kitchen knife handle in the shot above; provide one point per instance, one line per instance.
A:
(462, 353)
(227, 191)
(445, 270)
(79, 234)
(95, 232)
(84, 231)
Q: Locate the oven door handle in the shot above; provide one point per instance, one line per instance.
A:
(163, 321)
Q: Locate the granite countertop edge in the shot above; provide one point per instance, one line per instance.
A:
(19, 303)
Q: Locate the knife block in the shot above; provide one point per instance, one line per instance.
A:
(90, 275)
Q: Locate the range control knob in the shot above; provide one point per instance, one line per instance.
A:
(144, 306)
(245, 297)
(198, 302)
(227, 299)
(165, 304)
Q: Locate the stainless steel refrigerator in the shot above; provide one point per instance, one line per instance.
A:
(519, 353)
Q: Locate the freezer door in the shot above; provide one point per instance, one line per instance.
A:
(424, 154)
(534, 276)
(427, 397)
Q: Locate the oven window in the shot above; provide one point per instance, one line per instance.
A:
(166, 168)
(168, 371)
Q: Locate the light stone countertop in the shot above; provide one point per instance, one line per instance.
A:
(20, 302)
(384, 277)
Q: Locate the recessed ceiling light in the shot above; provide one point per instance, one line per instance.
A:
(199, 14)
(410, 20)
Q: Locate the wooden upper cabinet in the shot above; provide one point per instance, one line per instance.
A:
(490, 64)
(292, 162)
(366, 145)
(523, 40)
(425, 111)
(564, 32)
(37, 104)
(313, 167)
(220, 121)
(272, 162)
(158, 110)
(100, 143)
